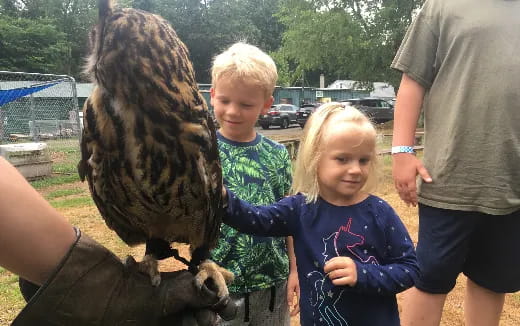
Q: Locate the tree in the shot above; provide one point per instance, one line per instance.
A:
(75, 18)
(33, 45)
(68, 20)
(208, 27)
(353, 39)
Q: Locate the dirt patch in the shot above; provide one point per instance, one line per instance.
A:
(58, 157)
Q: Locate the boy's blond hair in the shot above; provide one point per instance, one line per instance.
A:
(246, 62)
(305, 179)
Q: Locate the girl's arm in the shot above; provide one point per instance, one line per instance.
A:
(399, 270)
(268, 221)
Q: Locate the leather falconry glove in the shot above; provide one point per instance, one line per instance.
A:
(91, 286)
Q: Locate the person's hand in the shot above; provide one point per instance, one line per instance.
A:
(405, 168)
(341, 270)
(92, 286)
(293, 289)
(201, 305)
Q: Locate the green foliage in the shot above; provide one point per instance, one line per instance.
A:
(284, 68)
(31, 45)
(343, 39)
(348, 39)
(45, 35)
(209, 27)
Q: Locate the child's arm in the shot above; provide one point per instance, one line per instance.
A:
(293, 285)
(268, 221)
(399, 269)
(405, 165)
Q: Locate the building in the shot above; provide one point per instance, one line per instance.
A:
(380, 89)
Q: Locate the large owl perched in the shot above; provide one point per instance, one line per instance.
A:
(148, 148)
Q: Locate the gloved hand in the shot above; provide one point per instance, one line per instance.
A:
(91, 286)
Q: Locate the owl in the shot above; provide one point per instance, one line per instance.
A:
(148, 147)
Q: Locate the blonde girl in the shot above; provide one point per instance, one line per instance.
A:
(352, 251)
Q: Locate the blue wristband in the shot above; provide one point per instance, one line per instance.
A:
(403, 149)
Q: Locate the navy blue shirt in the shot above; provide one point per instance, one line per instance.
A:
(369, 232)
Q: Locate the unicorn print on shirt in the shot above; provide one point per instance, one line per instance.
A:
(325, 295)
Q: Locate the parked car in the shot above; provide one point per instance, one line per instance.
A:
(305, 112)
(282, 115)
(378, 110)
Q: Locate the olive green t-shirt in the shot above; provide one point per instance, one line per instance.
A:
(467, 56)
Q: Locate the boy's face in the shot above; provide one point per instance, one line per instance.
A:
(237, 105)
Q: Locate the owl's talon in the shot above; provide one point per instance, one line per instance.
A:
(149, 266)
(209, 270)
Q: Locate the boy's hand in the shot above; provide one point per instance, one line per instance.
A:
(293, 288)
(342, 271)
(225, 198)
(405, 168)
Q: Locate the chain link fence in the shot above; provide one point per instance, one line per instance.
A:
(39, 116)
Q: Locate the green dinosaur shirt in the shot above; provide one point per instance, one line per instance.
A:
(258, 172)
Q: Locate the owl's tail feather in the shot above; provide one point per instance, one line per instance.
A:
(96, 38)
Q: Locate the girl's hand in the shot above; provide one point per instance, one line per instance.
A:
(342, 271)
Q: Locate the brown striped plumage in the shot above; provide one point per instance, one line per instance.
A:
(149, 150)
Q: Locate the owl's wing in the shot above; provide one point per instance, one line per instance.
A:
(93, 168)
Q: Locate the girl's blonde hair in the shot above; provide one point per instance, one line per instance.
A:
(245, 62)
(305, 178)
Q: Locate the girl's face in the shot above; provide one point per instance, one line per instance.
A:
(344, 164)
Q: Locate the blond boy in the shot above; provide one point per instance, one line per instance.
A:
(259, 170)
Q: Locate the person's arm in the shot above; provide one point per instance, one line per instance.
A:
(33, 236)
(397, 270)
(388, 275)
(293, 285)
(80, 280)
(405, 165)
(267, 221)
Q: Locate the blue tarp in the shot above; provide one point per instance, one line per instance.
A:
(9, 95)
